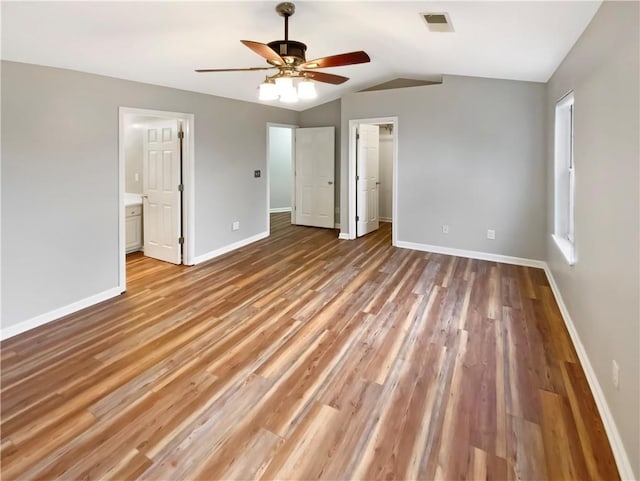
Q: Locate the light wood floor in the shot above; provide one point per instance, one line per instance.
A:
(306, 357)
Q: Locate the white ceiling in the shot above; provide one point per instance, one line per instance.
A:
(162, 42)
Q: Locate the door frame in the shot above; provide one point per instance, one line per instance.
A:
(188, 197)
(351, 175)
(293, 174)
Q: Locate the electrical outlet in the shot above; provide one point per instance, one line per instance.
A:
(491, 234)
(615, 375)
(256, 173)
(235, 226)
(445, 228)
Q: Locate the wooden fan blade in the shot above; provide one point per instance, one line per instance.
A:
(250, 69)
(264, 51)
(350, 58)
(325, 77)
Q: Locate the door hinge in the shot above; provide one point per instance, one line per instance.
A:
(181, 135)
(181, 188)
(181, 240)
(357, 135)
(357, 177)
(357, 218)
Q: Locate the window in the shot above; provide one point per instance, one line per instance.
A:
(564, 179)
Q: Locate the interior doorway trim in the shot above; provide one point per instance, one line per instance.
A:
(188, 197)
(268, 173)
(351, 173)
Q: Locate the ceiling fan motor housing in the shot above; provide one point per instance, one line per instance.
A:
(291, 51)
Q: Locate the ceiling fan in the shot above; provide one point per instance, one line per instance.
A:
(288, 57)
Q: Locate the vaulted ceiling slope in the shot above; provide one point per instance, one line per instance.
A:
(163, 42)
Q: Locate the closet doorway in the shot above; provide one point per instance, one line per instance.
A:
(372, 192)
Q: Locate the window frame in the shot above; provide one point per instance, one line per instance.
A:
(564, 167)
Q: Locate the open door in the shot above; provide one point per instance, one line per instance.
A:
(161, 191)
(367, 179)
(314, 171)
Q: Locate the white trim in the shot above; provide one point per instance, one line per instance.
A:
(351, 175)
(384, 219)
(343, 236)
(619, 452)
(566, 248)
(336, 225)
(279, 209)
(50, 316)
(485, 256)
(228, 248)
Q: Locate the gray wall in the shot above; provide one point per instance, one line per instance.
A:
(469, 145)
(280, 175)
(60, 179)
(133, 152)
(327, 115)
(601, 291)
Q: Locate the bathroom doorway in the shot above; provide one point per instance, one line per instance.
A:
(156, 186)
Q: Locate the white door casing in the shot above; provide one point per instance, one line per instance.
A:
(161, 195)
(367, 183)
(314, 176)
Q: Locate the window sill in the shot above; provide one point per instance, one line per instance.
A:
(566, 248)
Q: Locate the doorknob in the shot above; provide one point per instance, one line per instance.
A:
(330, 182)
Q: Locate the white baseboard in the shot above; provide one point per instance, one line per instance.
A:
(228, 248)
(619, 452)
(343, 236)
(384, 219)
(47, 317)
(485, 256)
(279, 209)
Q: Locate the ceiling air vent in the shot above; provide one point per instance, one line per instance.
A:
(438, 21)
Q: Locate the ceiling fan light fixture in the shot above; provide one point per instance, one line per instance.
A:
(268, 91)
(284, 85)
(307, 90)
(293, 81)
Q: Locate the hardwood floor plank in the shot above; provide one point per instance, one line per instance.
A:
(303, 356)
(242, 460)
(484, 466)
(598, 455)
(559, 434)
(451, 459)
(309, 448)
(526, 450)
(45, 445)
(522, 394)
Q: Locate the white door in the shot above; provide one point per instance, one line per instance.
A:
(368, 182)
(315, 163)
(161, 216)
